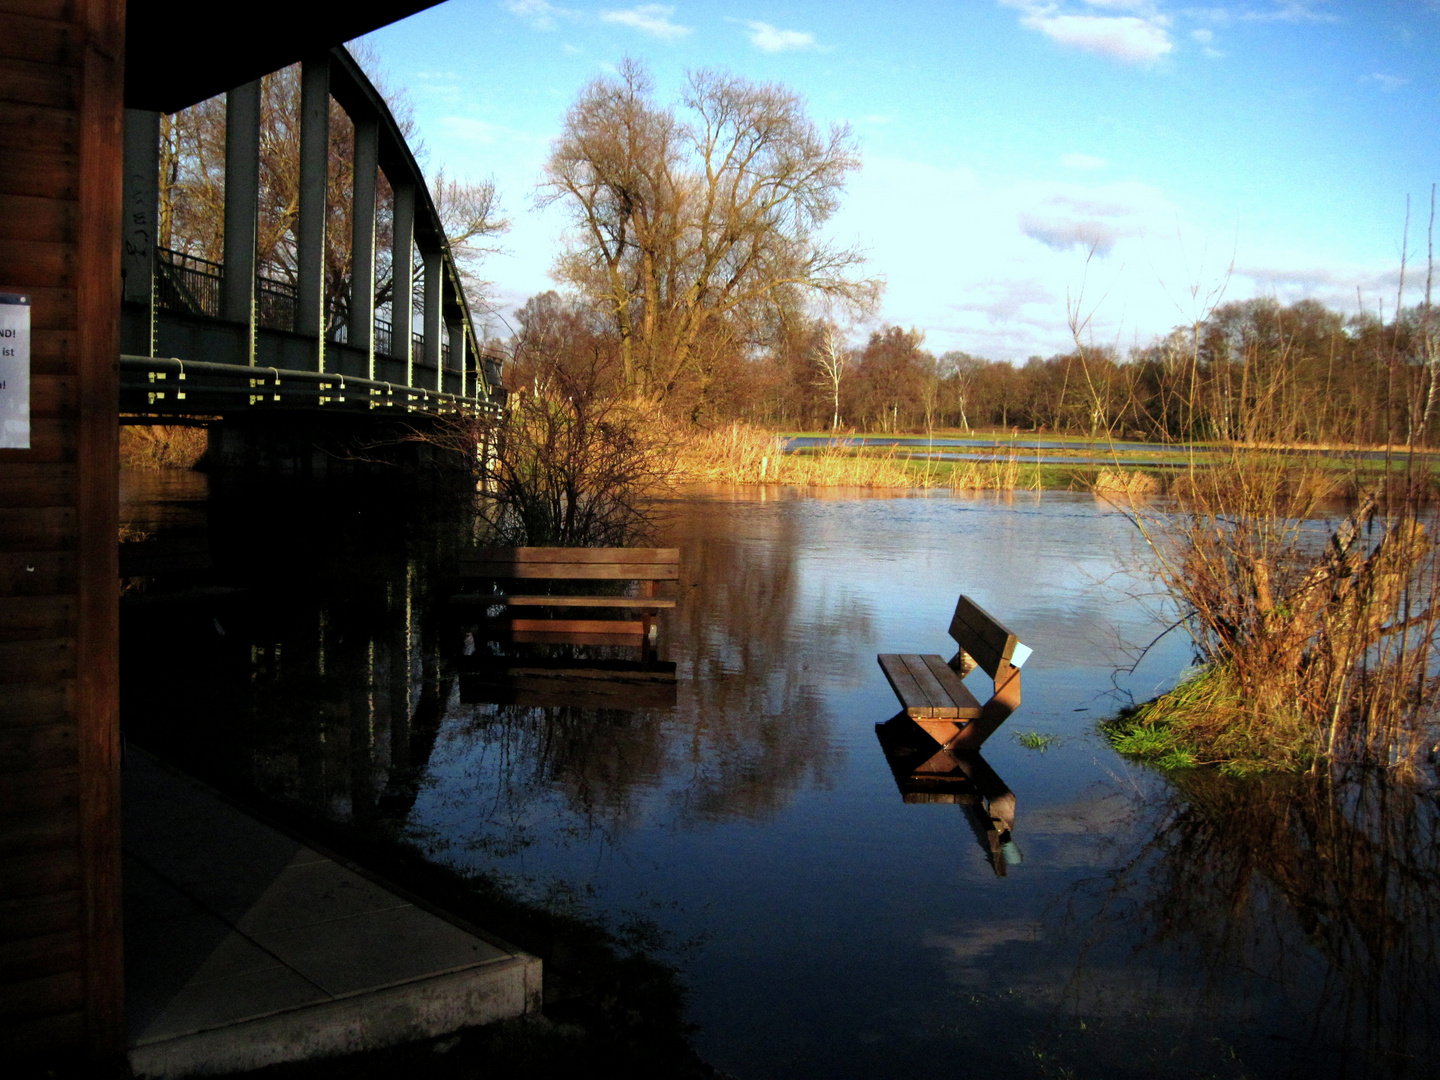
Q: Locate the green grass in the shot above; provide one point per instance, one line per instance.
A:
(1034, 740)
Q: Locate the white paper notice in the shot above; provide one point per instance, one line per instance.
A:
(14, 371)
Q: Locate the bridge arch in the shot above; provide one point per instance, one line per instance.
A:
(221, 338)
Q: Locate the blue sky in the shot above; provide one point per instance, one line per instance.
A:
(1003, 138)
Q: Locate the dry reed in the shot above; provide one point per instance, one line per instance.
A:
(740, 454)
(1317, 638)
(161, 446)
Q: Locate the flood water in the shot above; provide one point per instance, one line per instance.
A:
(752, 833)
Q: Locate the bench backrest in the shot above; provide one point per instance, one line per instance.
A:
(578, 564)
(991, 645)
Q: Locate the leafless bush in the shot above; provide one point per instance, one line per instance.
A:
(1318, 638)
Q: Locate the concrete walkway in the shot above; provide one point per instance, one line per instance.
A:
(244, 947)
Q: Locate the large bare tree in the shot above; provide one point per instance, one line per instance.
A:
(693, 223)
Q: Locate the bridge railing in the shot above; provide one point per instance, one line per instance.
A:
(187, 284)
(231, 312)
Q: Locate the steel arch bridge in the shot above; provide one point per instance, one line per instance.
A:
(236, 341)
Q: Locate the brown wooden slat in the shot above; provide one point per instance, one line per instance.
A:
(54, 490)
(52, 396)
(25, 217)
(26, 82)
(574, 555)
(37, 704)
(23, 617)
(34, 573)
(37, 957)
(981, 635)
(577, 626)
(35, 916)
(43, 660)
(34, 789)
(38, 1036)
(43, 874)
(36, 528)
(929, 685)
(58, 10)
(41, 746)
(38, 830)
(912, 699)
(27, 261)
(966, 704)
(43, 40)
(573, 571)
(40, 997)
(654, 603)
(50, 176)
(25, 128)
(529, 637)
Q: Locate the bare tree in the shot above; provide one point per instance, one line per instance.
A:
(686, 230)
(832, 358)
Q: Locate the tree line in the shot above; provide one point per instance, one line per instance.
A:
(698, 280)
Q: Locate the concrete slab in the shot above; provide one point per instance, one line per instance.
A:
(246, 948)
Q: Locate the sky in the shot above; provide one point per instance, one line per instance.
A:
(1029, 166)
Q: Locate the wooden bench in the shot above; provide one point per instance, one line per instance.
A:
(933, 694)
(547, 612)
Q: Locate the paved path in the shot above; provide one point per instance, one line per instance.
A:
(244, 947)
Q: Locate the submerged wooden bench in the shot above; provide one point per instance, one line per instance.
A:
(547, 612)
(933, 694)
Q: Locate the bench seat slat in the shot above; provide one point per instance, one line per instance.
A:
(573, 571)
(644, 603)
(927, 688)
(967, 705)
(572, 555)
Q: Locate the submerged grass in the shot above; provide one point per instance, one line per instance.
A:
(1034, 740)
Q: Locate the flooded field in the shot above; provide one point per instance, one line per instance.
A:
(752, 833)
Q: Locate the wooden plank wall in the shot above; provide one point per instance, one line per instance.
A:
(61, 126)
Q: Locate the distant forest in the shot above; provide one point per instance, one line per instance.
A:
(1253, 371)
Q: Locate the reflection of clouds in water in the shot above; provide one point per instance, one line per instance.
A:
(970, 948)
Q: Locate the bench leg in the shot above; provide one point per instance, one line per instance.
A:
(993, 713)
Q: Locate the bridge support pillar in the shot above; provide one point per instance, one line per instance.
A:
(361, 331)
(458, 359)
(434, 355)
(141, 220)
(402, 291)
(242, 203)
(314, 179)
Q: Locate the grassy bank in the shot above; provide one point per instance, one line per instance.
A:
(1316, 631)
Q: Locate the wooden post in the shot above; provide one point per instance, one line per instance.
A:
(62, 129)
(362, 240)
(314, 179)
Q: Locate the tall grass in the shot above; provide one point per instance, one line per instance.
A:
(740, 454)
(1316, 630)
(161, 446)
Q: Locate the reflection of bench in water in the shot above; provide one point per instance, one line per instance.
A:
(927, 773)
(558, 681)
(932, 693)
(535, 594)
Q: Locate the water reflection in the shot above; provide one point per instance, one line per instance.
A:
(1322, 896)
(927, 772)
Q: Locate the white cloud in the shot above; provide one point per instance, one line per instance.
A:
(771, 39)
(538, 13)
(1205, 37)
(1083, 161)
(1388, 83)
(1291, 11)
(1128, 38)
(652, 19)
